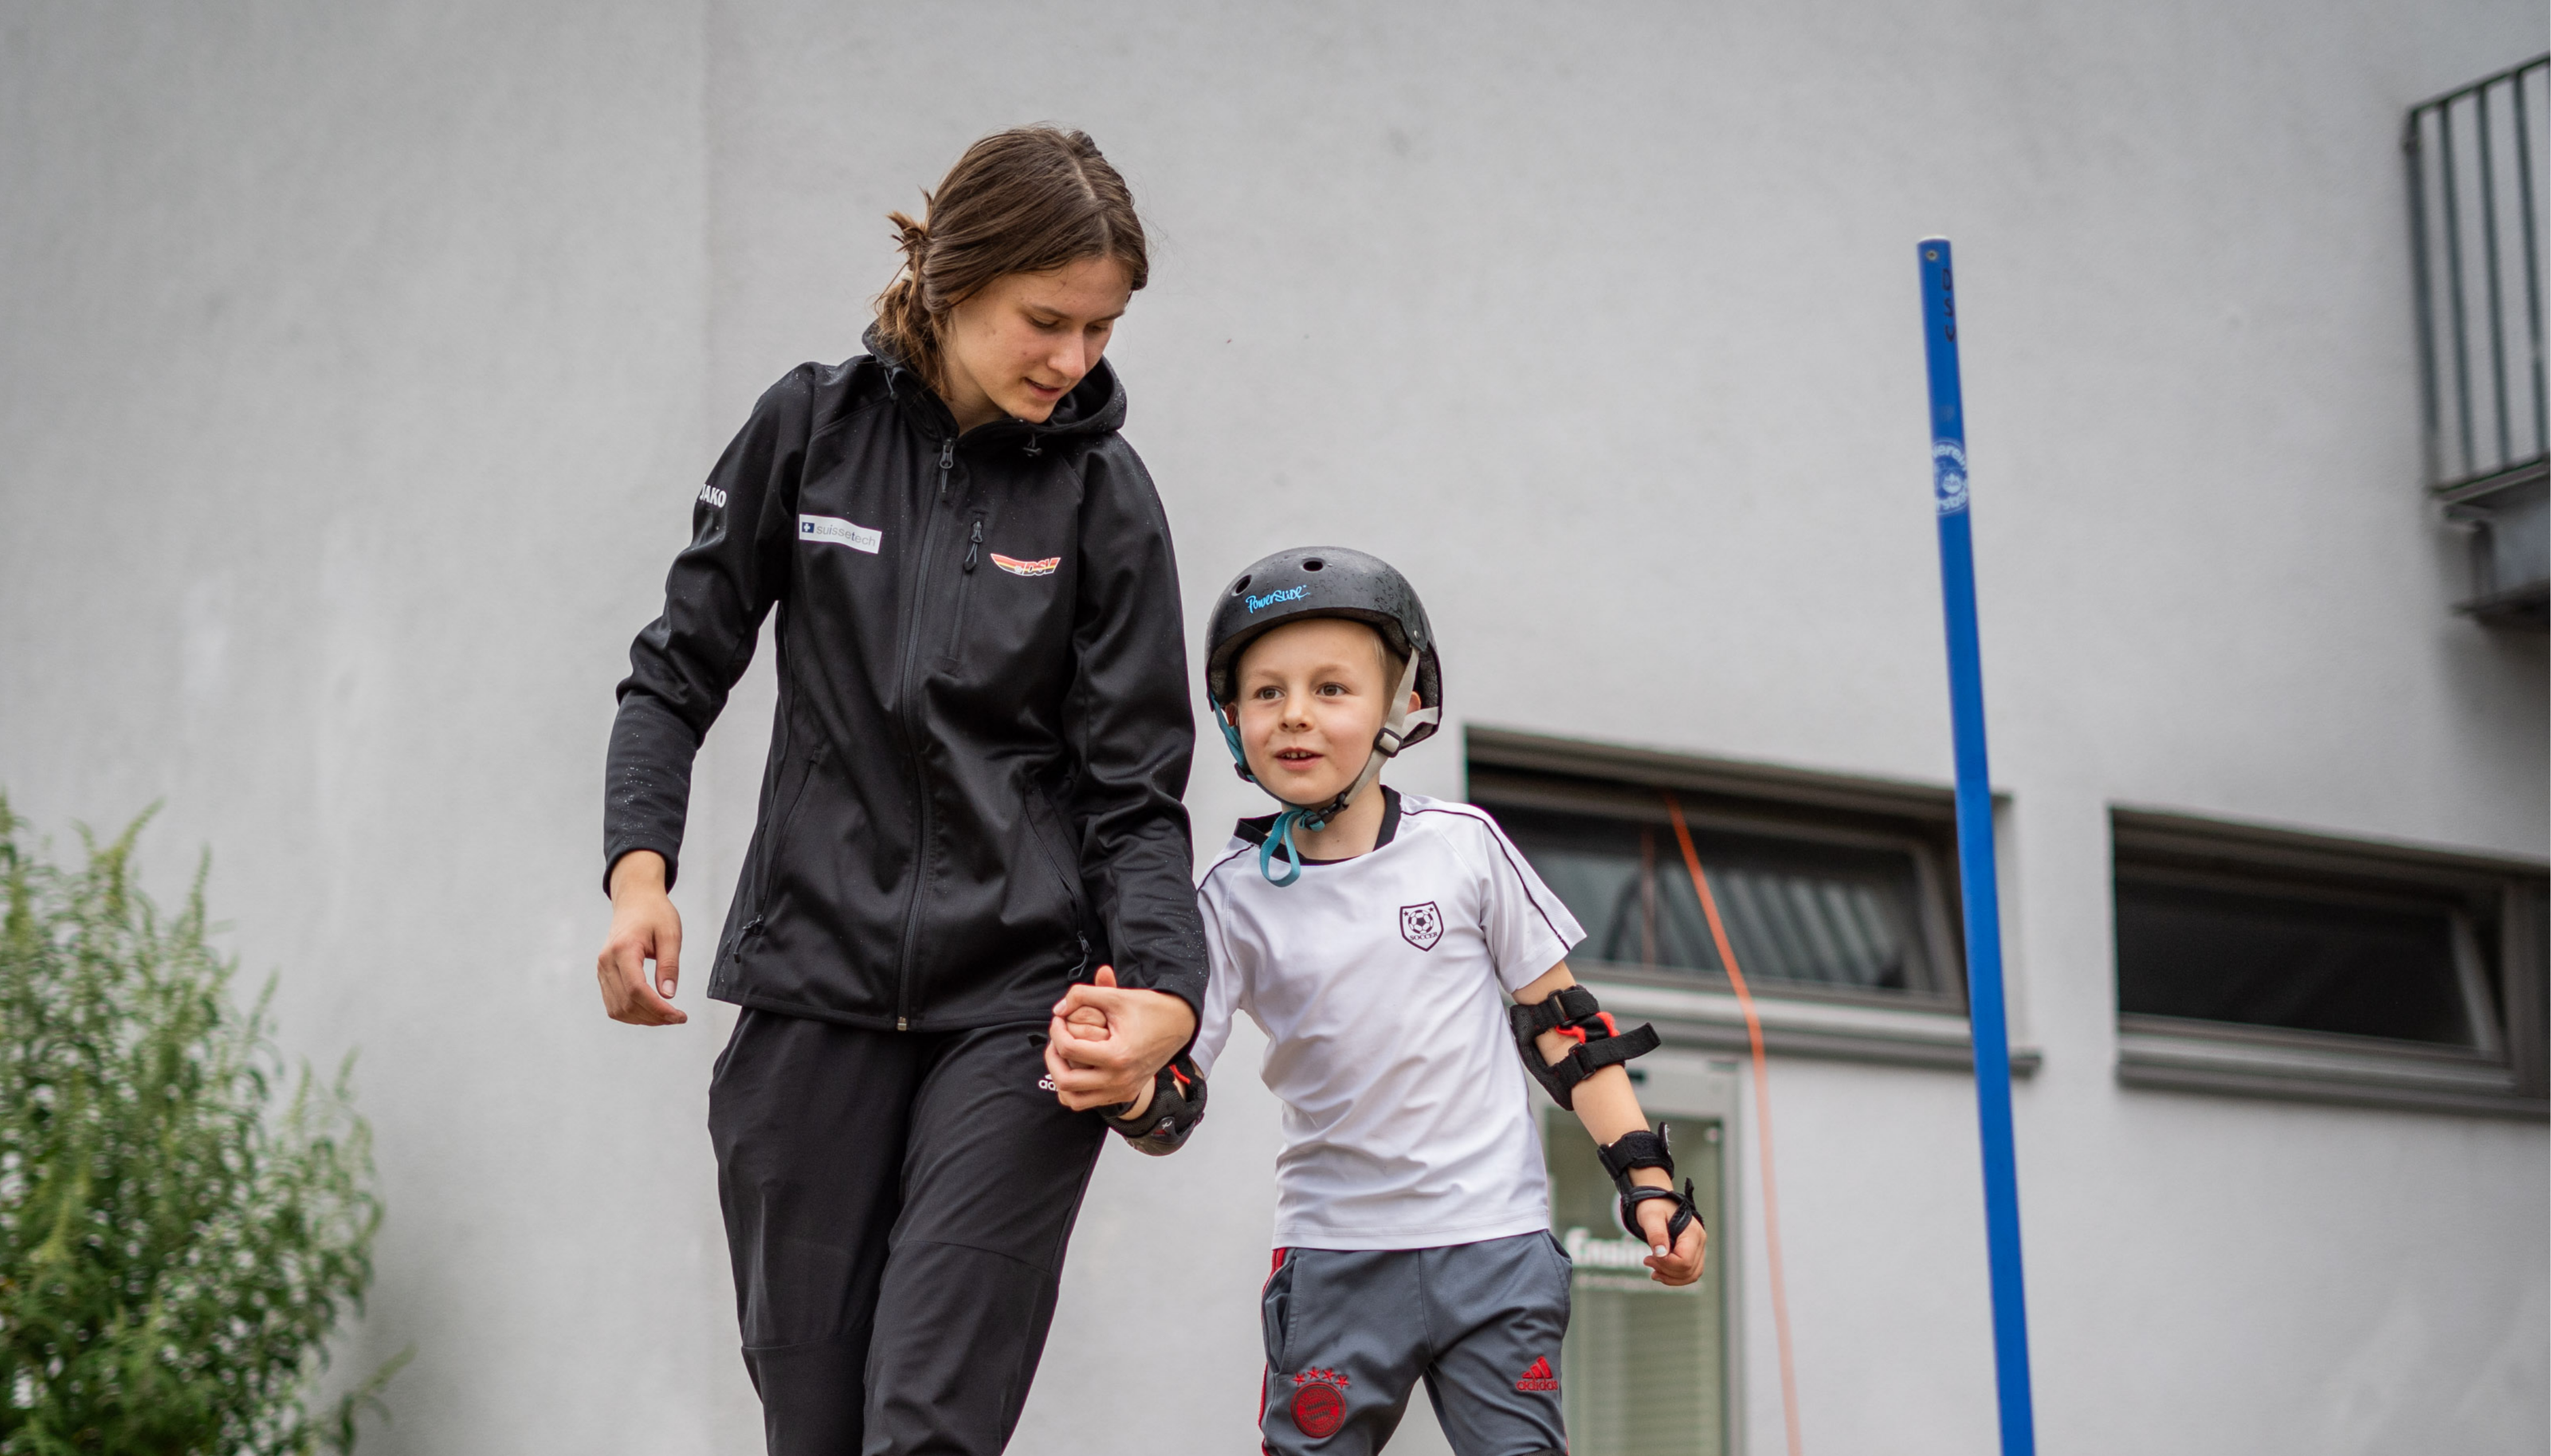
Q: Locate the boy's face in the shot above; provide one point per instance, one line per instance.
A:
(1313, 695)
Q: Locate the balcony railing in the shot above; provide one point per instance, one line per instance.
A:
(2476, 243)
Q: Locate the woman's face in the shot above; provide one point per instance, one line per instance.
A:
(1015, 349)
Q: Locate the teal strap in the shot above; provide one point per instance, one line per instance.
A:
(1283, 829)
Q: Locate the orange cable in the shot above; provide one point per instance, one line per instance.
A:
(1761, 1122)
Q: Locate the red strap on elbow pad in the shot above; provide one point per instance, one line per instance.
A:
(1573, 1012)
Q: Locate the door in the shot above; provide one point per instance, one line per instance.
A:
(1645, 1367)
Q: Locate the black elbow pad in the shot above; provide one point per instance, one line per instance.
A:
(1177, 1106)
(1573, 1013)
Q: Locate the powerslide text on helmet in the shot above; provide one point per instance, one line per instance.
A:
(1324, 582)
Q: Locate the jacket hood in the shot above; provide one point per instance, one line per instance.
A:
(1094, 407)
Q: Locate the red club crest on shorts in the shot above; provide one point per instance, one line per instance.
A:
(1319, 1402)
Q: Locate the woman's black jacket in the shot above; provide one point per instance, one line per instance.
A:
(983, 730)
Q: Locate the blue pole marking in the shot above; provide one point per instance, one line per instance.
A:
(1991, 1031)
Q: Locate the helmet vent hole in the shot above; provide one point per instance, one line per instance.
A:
(1239, 586)
(1313, 564)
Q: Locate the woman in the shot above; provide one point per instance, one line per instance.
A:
(972, 804)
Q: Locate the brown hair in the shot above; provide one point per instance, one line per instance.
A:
(1021, 201)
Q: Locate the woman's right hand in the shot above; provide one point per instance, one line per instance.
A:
(645, 927)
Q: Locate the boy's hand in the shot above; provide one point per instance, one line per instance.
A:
(1139, 1031)
(1681, 1264)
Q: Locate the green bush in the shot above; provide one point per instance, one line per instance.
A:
(175, 1247)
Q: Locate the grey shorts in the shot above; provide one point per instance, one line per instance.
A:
(1349, 1332)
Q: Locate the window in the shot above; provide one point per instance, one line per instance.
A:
(1828, 912)
(1838, 894)
(2308, 958)
(2256, 961)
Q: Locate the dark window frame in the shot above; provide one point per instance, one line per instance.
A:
(2503, 1074)
(1695, 1009)
(1935, 909)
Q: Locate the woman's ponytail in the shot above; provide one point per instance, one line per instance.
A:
(903, 320)
(1022, 201)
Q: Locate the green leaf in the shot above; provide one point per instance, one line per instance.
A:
(176, 1247)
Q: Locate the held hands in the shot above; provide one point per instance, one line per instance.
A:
(645, 926)
(1107, 1042)
(1681, 1264)
(1088, 1023)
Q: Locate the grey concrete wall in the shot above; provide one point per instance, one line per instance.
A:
(356, 365)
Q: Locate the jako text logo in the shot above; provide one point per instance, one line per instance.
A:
(1295, 594)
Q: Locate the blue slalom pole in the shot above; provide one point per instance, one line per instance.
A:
(1977, 887)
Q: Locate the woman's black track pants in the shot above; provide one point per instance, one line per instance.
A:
(896, 1206)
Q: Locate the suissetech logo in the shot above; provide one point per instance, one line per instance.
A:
(1290, 593)
(839, 532)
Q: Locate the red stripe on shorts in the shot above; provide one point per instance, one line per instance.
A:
(1264, 1374)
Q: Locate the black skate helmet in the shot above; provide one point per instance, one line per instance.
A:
(1325, 581)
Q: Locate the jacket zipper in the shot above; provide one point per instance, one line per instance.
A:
(1071, 885)
(912, 734)
(778, 842)
(964, 589)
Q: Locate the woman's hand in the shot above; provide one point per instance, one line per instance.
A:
(645, 927)
(1144, 1029)
(1088, 1023)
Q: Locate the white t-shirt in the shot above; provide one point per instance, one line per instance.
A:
(1381, 984)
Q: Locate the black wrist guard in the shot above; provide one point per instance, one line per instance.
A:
(1686, 1211)
(1644, 1149)
(1177, 1106)
(1640, 1149)
(1573, 1013)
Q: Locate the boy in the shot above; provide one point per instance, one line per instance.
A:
(1374, 937)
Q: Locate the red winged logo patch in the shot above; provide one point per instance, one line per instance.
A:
(1017, 567)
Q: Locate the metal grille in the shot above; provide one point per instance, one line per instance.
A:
(2476, 239)
(2476, 243)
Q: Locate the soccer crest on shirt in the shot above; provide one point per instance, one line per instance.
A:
(1421, 925)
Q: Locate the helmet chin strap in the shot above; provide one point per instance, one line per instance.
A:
(1387, 744)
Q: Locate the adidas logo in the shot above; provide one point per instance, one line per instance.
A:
(1538, 1378)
